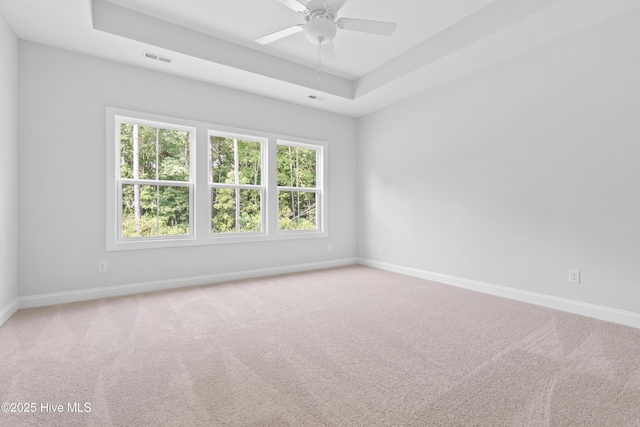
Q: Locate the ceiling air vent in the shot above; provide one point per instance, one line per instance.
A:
(157, 57)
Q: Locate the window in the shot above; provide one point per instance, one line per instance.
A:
(154, 184)
(298, 192)
(178, 182)
(235, 179)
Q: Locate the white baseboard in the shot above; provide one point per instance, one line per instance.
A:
(599, 312)
(9, 310)
(135, 288)
(627, 318)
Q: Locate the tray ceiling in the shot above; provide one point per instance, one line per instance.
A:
(213, 41)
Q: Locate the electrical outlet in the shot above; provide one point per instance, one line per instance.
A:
(574, 276)
(329, 247)
(383, 248)
(102, 266)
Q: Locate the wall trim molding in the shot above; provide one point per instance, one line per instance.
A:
(160, 285)
(9, 310)
(571, 306)
(608, 314)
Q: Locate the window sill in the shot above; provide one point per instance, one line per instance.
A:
(212, 240)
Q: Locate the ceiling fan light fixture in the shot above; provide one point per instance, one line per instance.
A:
(320, 30)
(321, 26)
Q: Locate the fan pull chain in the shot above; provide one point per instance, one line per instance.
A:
(319, 60)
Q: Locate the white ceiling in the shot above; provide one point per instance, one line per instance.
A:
(246, 20)
(436, 41)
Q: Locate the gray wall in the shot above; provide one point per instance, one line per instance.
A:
(8, 166)
(63, 96)
(517, 173)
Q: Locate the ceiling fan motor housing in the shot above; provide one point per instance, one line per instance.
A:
(320, 28)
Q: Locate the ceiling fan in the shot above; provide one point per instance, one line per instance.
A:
(321, 25)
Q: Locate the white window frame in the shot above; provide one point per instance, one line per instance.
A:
(200, 194)
(318, 189)
(262, 187)
(115, 182)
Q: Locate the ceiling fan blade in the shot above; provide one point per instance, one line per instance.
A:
(328, 52)
(364, 26)
(336, 5)
(297, 5)
(269, 38)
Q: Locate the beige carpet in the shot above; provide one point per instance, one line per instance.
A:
(350, 346)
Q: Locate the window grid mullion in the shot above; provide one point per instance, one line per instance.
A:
(297, 199)
(236, 174)
(236, 168)
(157, 132)
(154, 182)
(157, 210)
(237, 192)
(232, 186)
(299, 189)
(297, 169)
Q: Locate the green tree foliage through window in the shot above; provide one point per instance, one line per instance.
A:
(297, 194)
(152, 161)
(235, 168)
